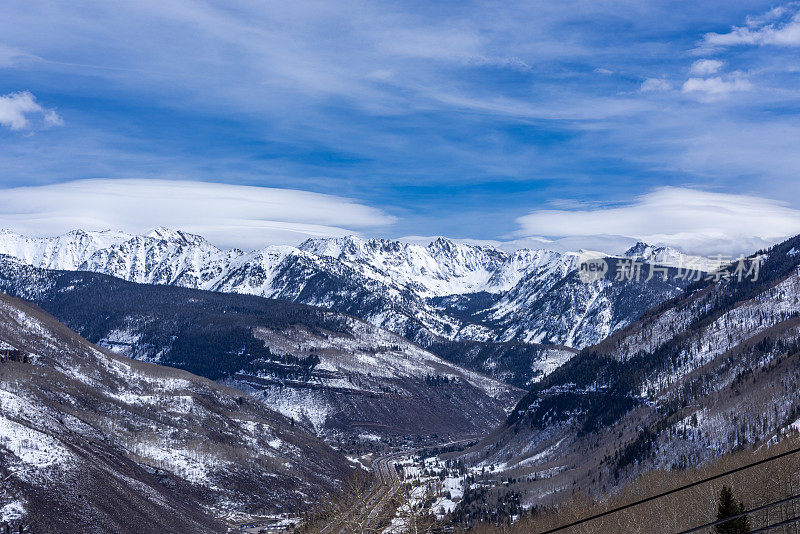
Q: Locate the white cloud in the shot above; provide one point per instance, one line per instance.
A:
(779, 27)
(716, 86)
(696, 221)
(772, 15)
(16, 109)
(51, 118)
(705, 67)
(228, 215)
(651, 85)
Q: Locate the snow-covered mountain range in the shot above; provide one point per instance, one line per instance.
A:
(443, 290)
(329, 371)
(674, 370)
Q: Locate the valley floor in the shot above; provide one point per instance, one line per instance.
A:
(421, 492)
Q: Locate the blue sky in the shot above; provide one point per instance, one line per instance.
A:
(484, 120)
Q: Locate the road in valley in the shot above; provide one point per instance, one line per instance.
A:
(367, 515)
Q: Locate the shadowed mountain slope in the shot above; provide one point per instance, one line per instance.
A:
(325, 369)
(91, 441)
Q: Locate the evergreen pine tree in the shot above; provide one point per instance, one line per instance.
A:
(729, 507)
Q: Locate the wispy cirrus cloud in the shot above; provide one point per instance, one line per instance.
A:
(228, 215)
(10, 56)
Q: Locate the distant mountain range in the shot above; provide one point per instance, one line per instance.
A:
(445, 290)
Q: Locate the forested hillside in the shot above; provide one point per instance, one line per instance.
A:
(710, 371)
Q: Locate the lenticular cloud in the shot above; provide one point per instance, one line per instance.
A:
(696, 221)
(228, 215)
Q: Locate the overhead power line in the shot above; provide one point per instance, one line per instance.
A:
(743, 514)
(670, 492)
(776, 525)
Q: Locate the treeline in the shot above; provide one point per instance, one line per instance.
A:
(439, 380)
(509, 362)
(482, 506)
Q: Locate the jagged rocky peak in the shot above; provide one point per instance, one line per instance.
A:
(66, 251)
(329, 246)
(442, 244)
(639, 249)
(646, 251)
(349, 246)
(665, 255)
(177, 236)
(478, 255)
(354, 244)
(79, 232)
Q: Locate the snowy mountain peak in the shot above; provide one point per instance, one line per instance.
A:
(443, 267)
(162, 232)
(669, 256)
(639, 249)
(80, 232)
(647, 252)
(331, 246)
(442, 244)
(177, 236)
(66, 252)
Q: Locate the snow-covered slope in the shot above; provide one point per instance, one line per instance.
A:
(439, 269)
(406, 288)
(712, 370)
(67, 251)
(336, 372)
(371, 380)
(162, 257)
(674, 258)
(563, 309)
(93, 442)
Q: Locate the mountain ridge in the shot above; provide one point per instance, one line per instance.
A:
(707, 372)
(406, 288)
(341, 374)
(93, 439)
